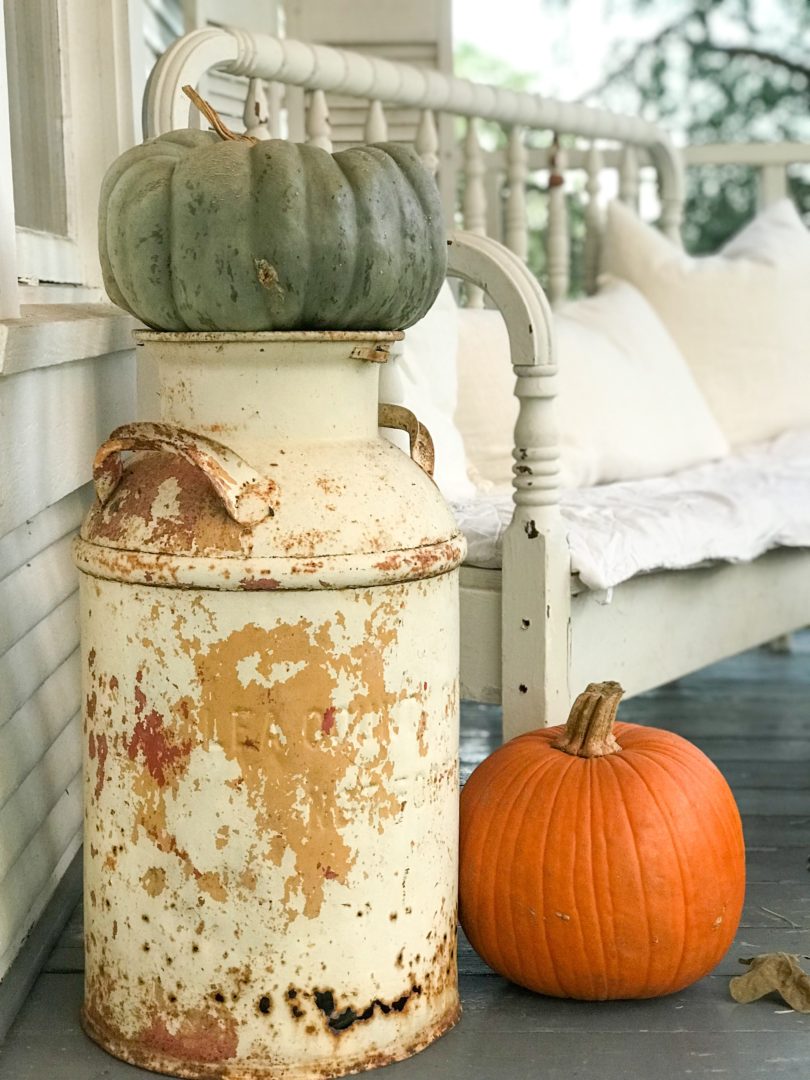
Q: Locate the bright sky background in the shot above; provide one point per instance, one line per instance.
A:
(565, 47)
(568, 46)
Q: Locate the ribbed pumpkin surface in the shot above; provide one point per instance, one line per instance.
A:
(619, 876)
(200, 234)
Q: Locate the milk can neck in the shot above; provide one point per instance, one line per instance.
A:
(257, 392)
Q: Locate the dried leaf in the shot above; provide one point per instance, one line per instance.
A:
(773, 971)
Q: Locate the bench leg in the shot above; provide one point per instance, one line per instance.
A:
(535, 627)
(782, 644)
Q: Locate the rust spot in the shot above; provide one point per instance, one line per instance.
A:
(90, 706)
(340, 1020)
(91, 658)
(113, 684)
(428, 559)
(164, 503)
(328, 485)
(259, 584)
(308, 566)
(154, 880)
(420, 734)
(328, 720)
(393, 562)
(241, 707)
(265, 1004)
(329, 874)
(102, 749)
(162, 756)
(247, 879)
(211, 883)
(201, 1036)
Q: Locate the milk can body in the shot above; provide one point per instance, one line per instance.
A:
(270, 656)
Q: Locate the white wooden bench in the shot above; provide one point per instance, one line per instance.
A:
(531, 634)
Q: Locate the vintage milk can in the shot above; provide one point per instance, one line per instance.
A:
(270, 650)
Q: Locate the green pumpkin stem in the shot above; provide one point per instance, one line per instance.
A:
(212, 116)
(589, 730)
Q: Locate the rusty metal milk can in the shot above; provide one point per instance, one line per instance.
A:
(270, 656)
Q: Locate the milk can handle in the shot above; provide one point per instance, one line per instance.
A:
(402, 419)
(248, 497)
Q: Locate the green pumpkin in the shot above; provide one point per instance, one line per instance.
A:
(200, 234)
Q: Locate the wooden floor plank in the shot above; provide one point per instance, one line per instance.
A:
(759, 710)
(65, 959)
(749, 941)
(777, 904)
(772, 802)
(699, 719)
(763, 748)
(777, 864)
(505, 1033)
(778, 776)
(705, 1007)
(777, 830)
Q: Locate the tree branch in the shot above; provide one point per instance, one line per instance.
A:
(731, 51)
(760, 54)
(628, 64)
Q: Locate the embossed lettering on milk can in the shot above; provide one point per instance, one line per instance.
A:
(270, 651)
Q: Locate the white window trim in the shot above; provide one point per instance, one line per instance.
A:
(49, 334)
(9, 301)
(47, 257)
(99, 124)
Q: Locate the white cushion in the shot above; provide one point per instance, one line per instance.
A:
(422, 375)
(735, 509)
(627, 406)
(741, 318)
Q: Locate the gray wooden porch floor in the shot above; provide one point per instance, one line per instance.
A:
(752, 716)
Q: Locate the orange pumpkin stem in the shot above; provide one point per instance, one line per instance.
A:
(589, 730)
(212, 116)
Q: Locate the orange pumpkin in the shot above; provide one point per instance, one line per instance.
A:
(600, 861)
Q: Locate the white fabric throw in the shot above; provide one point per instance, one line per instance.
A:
(731, 510)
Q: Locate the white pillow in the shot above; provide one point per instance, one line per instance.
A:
(741, 318)
(627, 406)
(421, 374)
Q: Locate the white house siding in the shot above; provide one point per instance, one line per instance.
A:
(66, 380)
(51, 421)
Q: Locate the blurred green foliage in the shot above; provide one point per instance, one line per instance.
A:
(720, 71)
(713, 71)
